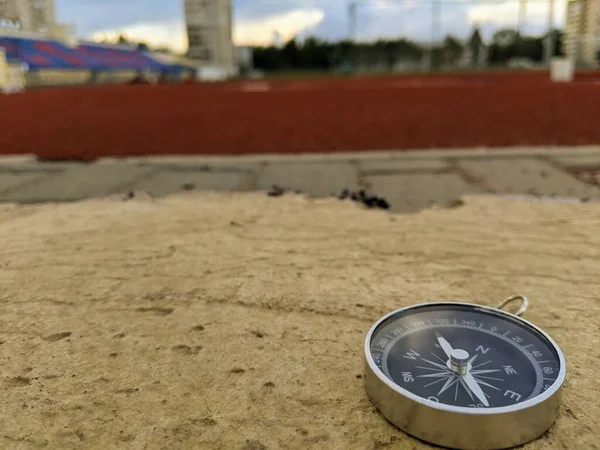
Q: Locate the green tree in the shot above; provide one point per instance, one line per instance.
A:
(290, 53)
(475, 44)
(452, 50)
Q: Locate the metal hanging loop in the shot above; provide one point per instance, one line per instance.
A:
(524, 303)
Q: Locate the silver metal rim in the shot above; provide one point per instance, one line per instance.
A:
(457, 409)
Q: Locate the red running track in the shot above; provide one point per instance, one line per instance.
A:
(326, 115)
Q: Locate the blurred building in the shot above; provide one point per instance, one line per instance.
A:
(244, 59)
(582, 31)
(34, 16)
(209, 29)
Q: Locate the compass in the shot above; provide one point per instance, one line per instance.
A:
(464, 376)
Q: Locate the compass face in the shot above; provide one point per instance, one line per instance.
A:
(465, 356)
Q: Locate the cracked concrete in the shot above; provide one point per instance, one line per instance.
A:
(410, 181)
(236, 321)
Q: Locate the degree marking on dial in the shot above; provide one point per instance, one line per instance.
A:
(528, 345)
(507, 333)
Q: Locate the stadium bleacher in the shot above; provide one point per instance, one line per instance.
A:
(45, 54)
(51, 54)
(115, 57)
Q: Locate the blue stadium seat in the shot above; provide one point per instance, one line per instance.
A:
(51, 54)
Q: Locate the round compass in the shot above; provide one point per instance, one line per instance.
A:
(464, 376)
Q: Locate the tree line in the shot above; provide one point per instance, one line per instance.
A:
(314, 54)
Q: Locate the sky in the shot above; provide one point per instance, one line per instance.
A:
(256, 22)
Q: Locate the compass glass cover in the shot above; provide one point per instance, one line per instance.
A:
(464, 356)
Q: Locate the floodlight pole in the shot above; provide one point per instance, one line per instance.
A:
(550, 38)
(352, 21)
(522, 14)
(435, 23)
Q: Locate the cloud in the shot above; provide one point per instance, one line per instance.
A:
(169, 34)
(91, 16)
(256, 21)
(287, 25)
(506, 14)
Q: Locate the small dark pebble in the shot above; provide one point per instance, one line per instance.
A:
(188, 187)
(359, 376)
(457, 203)
(237, 370)
(585, 199)
(370, 201)
(269, 384)
(276, 191)
(129, 195)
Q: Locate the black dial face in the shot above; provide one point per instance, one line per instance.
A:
(465, 356)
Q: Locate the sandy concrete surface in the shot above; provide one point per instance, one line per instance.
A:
(236, 321)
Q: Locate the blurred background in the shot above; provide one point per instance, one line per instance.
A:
(65, 42)
(126, 81)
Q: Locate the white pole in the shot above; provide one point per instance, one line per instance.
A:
(550, 40)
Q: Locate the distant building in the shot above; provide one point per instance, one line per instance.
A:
(209, 30)
(244, 58)
(582, 31)
(29, 16)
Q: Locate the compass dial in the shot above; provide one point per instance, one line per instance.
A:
(464, 356)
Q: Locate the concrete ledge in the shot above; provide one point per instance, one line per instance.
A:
(420, 154)
(237, 321)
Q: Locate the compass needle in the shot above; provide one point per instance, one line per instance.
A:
(444, 344)
(464, 385)
(441, 360)
(485, 378)
(486, 384)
